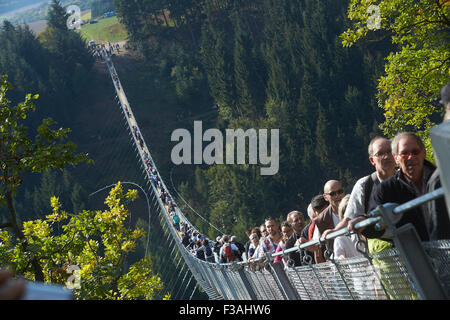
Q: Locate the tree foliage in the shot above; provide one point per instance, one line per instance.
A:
(273, 65)
(418, 67)
(20, 155)
(57, 16)
(96, 242)
(56, 64)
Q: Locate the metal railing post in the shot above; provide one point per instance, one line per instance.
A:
(232, 289)
(440, 139)
(414, 257)
(246, 283)
(283, 280)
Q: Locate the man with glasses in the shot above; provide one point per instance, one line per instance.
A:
(407, 183)
(381, 157)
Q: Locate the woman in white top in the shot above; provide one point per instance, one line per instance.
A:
(254, 246)
(345, 246)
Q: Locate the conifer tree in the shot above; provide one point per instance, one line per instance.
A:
(57, 16)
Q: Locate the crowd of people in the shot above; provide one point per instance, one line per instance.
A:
(330, 210)
(401, 174)
(101, 49)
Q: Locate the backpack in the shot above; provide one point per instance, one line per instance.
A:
(200, 254)
(228, 252)
(208, 251)
(368, 186)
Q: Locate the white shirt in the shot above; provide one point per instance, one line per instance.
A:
(345, 246)
(355, 204)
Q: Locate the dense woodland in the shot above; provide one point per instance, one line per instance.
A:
(268, 64)
(40, 9)
(56, 66)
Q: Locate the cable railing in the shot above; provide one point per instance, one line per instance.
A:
(410, 270)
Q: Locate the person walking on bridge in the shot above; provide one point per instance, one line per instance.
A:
(407, 183)
(381, 157)
(333, 192)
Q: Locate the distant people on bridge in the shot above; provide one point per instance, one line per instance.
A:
(248, 232)
(318, 204)
(229, 252)
(216, 249)
(286, 231)
(254, 244)
(269, 243)
(263, 230)
(297, 222)
(176, 220)
(204, 251)
(239, 245)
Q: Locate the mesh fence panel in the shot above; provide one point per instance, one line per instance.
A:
(381, 277)
(354, 278)
(332, 281)
(306, 283)
(361, 278)
(239, 285)
(264, 285)
(272, 285)
(393, 275)
(439, 252)
(255, 284)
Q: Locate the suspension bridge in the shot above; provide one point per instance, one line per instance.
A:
(411, 270)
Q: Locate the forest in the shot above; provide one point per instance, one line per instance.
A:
(268, 64)
(312, 69)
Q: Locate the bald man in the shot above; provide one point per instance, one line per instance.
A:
(333, 192)
(381, 157)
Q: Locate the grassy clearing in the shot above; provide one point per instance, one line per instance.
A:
(107, 29)
(87, 16)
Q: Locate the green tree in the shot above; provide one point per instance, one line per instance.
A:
(216, 49)
(97, 242)
(417, 68)
(19, 155)
(57, 16)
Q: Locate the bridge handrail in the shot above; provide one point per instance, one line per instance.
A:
(376, 216)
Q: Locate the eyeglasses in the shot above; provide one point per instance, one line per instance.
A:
(407, 154)
(382, 154)
(333, 193)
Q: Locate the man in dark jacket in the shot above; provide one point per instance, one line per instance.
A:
(297, 221)
(409, 182)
